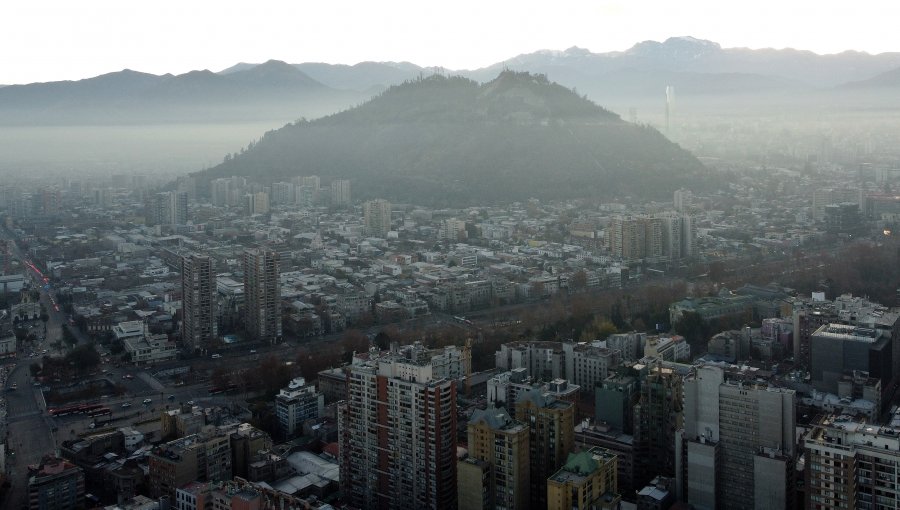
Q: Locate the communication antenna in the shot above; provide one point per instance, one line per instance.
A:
(670, 97)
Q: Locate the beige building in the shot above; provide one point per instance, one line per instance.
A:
(502, 442)
(587, 481)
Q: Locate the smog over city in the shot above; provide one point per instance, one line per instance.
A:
(475, 255)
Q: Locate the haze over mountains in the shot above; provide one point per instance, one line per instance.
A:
(281, 92)
(443, 140)
(130, 121)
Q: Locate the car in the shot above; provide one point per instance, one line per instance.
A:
(190, 402)
(148, 400)
(252, 351)
(171, 397)
(126, 404)
(216, 356)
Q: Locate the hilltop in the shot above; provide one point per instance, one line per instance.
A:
(451, 140)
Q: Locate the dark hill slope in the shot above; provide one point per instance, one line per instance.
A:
(453, 141)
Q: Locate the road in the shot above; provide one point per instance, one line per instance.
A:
(30, 435)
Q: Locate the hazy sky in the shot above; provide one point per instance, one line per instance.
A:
(44, 40)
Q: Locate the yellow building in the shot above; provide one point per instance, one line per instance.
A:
(587, 481)
(502, 442)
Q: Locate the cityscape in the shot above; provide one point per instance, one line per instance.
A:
(549, 282)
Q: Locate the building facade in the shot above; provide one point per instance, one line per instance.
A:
(262, 295)
(397, 436)
(199, 324)
(737, 447)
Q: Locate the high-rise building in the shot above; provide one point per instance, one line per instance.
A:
(683, 200)
(634, 238)
(397, 436)
(587, 481)
(852, 464)
(56, 485)
(657, 417)
(671, 236)
(340, 193)
(219, 191)
(377, 214)
(256, 203)
(262, 295)
(296, 404)
(737, 447)
(199, 326)
(626, 238)
(502, 442)
(167, 208)
(688, 236)
(283, 193)
(551, 431)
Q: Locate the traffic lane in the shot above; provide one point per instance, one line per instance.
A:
(29, 434)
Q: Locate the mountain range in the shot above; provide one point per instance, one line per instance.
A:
(283, 92)
(451, 140)
(261, 92)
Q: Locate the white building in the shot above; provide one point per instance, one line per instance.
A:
(141, 345)
(296, 404)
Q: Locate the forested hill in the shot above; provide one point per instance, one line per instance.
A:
(449, 140)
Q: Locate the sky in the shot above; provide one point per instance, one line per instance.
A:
(48, 40)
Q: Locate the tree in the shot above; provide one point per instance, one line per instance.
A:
(579, 280)
(220, 377)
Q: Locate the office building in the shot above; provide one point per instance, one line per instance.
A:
(736, 450)
(377, 214)
(296, 404)
(56, 485)
(839, 349)
(502, 442)
(587, 481)
(199, 325)
(551, 431)
(262, 295)
(397, 436)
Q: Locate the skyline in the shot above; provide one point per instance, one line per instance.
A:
(78, 41)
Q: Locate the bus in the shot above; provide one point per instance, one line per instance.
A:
(103, 411)
(87, 408)
(63, 411)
